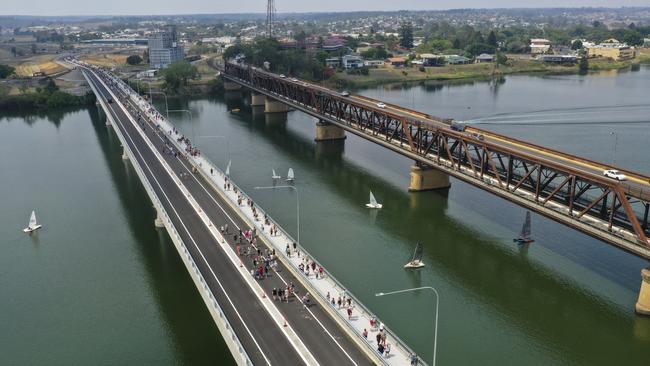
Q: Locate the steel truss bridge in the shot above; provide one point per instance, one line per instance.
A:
(566, 188)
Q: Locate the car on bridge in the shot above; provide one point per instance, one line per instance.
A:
(381, 105)
(345, 93)
(614, 174)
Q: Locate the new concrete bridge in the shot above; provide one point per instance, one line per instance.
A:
(194, 200)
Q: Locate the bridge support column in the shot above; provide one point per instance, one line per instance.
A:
(125, 156)
(158, 222)
(257, 99)
(231, 86)
(274, 106)
(643, 304)
(425, 178)
(327, 132)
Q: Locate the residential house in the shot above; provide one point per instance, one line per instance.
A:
(539, 45)
(558, 59)
(373, 63)
(484, 57)
(456, 60)
(351, 62)
(395, 62)
(333, 62)
(429, 59)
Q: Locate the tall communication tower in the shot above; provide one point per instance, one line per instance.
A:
(270, 17)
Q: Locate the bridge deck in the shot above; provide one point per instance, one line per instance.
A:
(264, 339)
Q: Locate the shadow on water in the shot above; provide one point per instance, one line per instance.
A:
(542, 302)
(196, 339)
(30, 117)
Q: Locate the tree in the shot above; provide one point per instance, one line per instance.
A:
(134, 60)
(584, 65)
(492, 39)
(33, 48)
(406, 35)
(178, 74)
(6, 71)
(501, 58)
(576, 45)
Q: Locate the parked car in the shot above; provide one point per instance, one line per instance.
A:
(345, 93)
(283, 76)
(614, 174)
(381, 105)
(294, 80)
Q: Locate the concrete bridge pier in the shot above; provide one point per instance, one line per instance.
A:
(274, 106)
(158, 222)
(327, 132)
(426, 178)
(643, 304)
(257, 99)
(231, 86)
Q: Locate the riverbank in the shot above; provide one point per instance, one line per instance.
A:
(42, 99)
(479, 71)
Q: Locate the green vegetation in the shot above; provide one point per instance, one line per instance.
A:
(583, 65)
(406, 35)
(178, 74)
(291, 62)
(134, 60)
(47, 97)
(6, 71)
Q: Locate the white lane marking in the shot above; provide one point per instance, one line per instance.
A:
(193, 241)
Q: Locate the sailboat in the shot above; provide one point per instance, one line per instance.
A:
(524, 237)
(228, 168)
(373, 202)
(32, 225)
(275, 175)
(290, 176)
(416, 261)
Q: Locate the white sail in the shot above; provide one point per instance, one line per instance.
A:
(32, 221)
(32, 225)
(373, 201)
(416, 261)
(228, 168)
(275, 175)
(290, 175)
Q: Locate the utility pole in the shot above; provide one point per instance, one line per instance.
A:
(270, 17)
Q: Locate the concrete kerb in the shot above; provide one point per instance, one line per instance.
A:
(231, 339)
(339, 318)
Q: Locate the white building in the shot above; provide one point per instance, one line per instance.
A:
(539, 45)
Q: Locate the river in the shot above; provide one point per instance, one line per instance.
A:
(100, 285)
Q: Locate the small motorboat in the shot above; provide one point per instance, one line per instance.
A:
(33, 225)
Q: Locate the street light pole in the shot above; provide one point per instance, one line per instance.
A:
(191, 119)
(435, 334)
(297, 205)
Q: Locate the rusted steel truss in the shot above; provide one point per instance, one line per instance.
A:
(573, 192)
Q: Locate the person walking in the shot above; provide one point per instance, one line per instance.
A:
(365, 333)
(349, 313)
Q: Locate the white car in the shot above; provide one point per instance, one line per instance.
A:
(282, 76)
(614, 174)
(294, 80)
(381, 105)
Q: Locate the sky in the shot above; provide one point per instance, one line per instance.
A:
(163, 7)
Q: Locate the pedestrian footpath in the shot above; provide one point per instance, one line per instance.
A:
(359, 320)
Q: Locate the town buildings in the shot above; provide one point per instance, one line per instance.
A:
(164, 48)
(613, 49)
(539, 45)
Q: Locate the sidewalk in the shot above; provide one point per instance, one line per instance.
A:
(321, 286)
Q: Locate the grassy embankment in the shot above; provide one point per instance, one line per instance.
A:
(471, 71)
